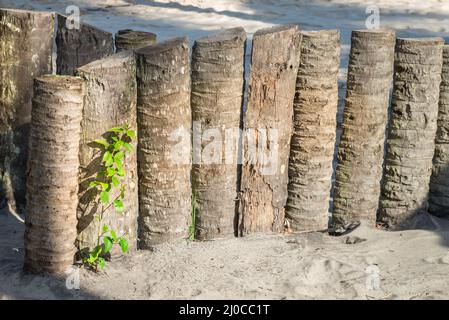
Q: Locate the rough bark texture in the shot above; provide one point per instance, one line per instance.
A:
(274, 67)
(53, 174)
(78, 47)
(361, 148)
(163, 109)
(413, 125)
(26, 44)
(130, 39)
(110, 101)
(314, 131)
(439, 181)
(217, 96)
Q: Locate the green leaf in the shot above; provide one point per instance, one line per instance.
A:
(131, 134)
(93, 184)
(121, 172)
(103, 142)
(101, 263)
(101, 174)
(118, 145)
(128, 146)
(95, 253)
(119, 206)
(111, 171)
(116, 130)
(107, 156)
(104, 185)
(113, 235)
(123, 243)
(107, 242)
(104, 196)
(115, 181)
(119, 155)
(105, 228)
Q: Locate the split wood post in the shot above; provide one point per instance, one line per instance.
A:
(361, 148)
(79, 44)
(26, 46)
(314, 132)
(130, 39)
(53, 174)
(412, 131)
(217, 96)
(439, 180)
(268, 125)
(164, 148)
(110, 101)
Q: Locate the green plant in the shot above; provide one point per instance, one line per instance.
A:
(193, 221)
(108, 181)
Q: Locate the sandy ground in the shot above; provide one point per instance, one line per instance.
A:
(367, 264)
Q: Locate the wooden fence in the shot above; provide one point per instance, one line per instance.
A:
(201, 165)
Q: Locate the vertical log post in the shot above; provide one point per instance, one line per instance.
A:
(164, 148)
(217, 96)
(413, 125)
(130, 39)
(26, 46)
(439, 180)
(268, 125)
(53, 174)
(313, 140)
(361, 148)
(111, 94)
(79, 45)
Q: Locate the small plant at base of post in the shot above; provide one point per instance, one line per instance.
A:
(108, 180)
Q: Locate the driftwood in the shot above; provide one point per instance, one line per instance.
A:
(26, 45)
(361, 148)
(217, 96)
(110, 101)
(78, 47)
(53, 177)
(413, 126)
(314, 132)
(164, 147)
(268, 127)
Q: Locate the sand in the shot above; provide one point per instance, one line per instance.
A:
(366, 264)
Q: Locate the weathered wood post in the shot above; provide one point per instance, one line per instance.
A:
(130, 39)
(111, 94)
(26, 45)
(217, 97)
(268, 126)
(361, 148)
(78, 45)
(413, 125)
(53, 174)
(164, 149)
(314, 133)
(439, 180)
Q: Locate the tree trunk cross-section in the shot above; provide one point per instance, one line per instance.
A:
(130, 39)
(78, 47)
(361, 148)
(412, 131)
(164, 148)
(111, 97)
(53, 174)
(26, 46)
(268, 125)
(217, 96)
(313, 140)
(439, 181)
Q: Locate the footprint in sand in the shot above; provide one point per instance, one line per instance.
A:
(438, 260)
